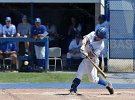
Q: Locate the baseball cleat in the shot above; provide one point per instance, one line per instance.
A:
(73, 91)
(110, 88)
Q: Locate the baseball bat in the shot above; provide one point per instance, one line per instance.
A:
(96, 66)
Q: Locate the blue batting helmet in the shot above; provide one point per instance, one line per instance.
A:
(101, 32)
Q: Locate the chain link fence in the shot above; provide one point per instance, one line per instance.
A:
(122, 28)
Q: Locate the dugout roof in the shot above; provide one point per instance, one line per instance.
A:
(49, 1)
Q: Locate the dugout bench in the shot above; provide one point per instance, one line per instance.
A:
(23, 39)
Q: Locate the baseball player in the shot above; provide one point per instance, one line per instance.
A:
(38, 31)
(9, 30)
(9, 50)
(74, 49)
(104, 53)
(92, 45)
(23, 30)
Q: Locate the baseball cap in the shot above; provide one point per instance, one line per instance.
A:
(38, 20)
(8, 19)
(24, 17)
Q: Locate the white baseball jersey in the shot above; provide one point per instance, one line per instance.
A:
(8, 31)
(94, 47)
(74, 45)
(86, 66)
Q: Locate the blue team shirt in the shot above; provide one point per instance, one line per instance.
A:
(40, 30)
(8, 46)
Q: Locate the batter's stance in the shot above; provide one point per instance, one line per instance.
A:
(92, 45)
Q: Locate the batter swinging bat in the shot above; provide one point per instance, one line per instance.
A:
(103, 74)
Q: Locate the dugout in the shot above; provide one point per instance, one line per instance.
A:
(58, 11)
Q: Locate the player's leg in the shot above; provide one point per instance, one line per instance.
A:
(27, 47)
(13, 61)
(40, 56)
(92, 75)
(78, 78)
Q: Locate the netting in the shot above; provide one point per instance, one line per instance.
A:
(122, 19)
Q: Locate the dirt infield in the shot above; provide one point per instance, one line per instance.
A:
(62, 94)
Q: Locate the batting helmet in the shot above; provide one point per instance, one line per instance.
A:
(101, 32)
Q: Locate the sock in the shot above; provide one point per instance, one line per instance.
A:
(43, 63)
(39, 62)
(75, 83)
(102, 82)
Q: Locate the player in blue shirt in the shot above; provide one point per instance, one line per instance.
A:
(9, 50)
(38, 31)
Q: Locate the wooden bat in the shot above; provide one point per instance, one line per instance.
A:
(103, 74)
(96, 66)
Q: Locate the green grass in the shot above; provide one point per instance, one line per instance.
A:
(8, 77)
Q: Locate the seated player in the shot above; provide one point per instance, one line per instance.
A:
(74, 49)
(9, 30)
(9, 51)
(23, 30)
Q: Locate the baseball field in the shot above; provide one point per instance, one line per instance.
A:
(55, 86)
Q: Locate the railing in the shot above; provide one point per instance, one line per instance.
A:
(22, 39)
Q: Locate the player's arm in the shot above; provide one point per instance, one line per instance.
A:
(42, 35)
(84, 41)
(13, 31)
(10, 52)
(83, 48)
(45, 33)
